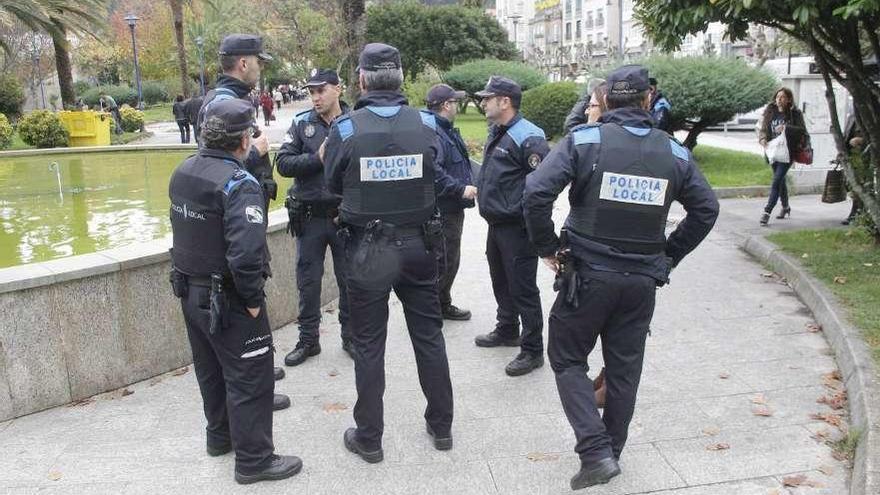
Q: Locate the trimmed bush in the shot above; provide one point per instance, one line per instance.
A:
(472, 76)
(122, 94)
(154, 92)
(132, 119)
(11, 96)
(548, 105)
(416, 90)
(6, 132)
(43, 129)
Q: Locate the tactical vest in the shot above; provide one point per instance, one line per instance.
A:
(390, 176)
(627, 199)
(199, 247)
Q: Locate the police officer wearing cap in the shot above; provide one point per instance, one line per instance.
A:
(313, 211)
(660, 108)
(241, 59)
(442, 102)
(218, 220)
(624, 175)
(514, 149)
(383, 159)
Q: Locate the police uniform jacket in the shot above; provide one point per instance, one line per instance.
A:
(660, 108)
(219, 222)
(298, 157)
(573, 161)
(338, 151)
(511, 153)
(456, 163)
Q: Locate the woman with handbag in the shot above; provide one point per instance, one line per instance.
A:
(781, 117)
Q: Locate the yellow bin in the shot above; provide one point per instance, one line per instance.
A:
(88, 128)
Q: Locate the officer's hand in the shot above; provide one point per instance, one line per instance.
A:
(470, 192)
(321, 150)
(552, 263)
(254, 312)
(262, 144)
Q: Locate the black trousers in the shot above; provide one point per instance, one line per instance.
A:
(318, 233)
(235, 374)
(618, 307)
(183, 125)
(513, 267)
(404, 265)
(453, 226)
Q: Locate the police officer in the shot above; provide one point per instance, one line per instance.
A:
(442, 102)
(624, 176)
(218, 220)
(383, 158)
(241, 59)
(514, 149)
(313, 211)
(660, 108)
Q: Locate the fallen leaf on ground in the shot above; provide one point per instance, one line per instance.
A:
(768, 274)
(540, 456)
(792, 481)
(840, 280)
(832, 380)
(81, 402)
(126, 392)
(826, 470)
(711, 431)
(718, 446)
(55, 475)
(830, 418)
(759, 399)
(335, 407)
(724, 376)
(835, 401)
(180, 371)
(839, 456)
(821, 435)
(333, 372)
(762, 411)
(813, 327)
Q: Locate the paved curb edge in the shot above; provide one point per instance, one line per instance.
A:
(853, 357)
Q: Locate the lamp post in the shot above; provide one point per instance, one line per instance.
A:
(132, 21)
(37, 72)
(200, 42)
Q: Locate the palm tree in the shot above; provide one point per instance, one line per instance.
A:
(57, 18)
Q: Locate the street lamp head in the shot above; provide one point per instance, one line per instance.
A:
(131, 19)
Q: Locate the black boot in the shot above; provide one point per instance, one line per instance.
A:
(280, 401)
(351, 443)
(281, 467)
(279, 373)
(524, 363)
(596, 473)
(452, 312)
(218, 450)
(301, 352)
(495, 339)
(765, 218)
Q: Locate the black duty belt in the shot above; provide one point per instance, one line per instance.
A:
(206, 281)
(321, 209)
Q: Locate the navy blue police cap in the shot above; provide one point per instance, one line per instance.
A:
(377, 56)
(628, 80)
(441, 93)
(501, 86)
(244, 44)
(229, 116)
(321, 77)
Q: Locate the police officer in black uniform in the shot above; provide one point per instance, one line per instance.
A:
(624, 176)
(514, 149)
(660, 108)
(383, 158)
(442, 102)
(313, 211)
(241, 59)
(218, 220)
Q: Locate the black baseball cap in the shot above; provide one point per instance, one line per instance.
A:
(652, 81)
(321, 77)
(377, 56)
(628, 80)
(440, 93)
(229, 116)
(244, 44)
(501, 86)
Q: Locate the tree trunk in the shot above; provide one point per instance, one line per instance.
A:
(691, 140)
(62, 66)
(177, 15)
(353, 18)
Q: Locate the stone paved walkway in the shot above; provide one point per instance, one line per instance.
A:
(727, 342)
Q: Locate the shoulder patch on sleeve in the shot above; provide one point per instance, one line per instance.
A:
(523, 130)
(663, 103)
(299, 117)
(586, 134)
(345, 126)
(428, 119)
(679, 150)
(238, 177)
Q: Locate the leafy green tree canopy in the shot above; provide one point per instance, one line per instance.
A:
(473, 76)
(437, 36)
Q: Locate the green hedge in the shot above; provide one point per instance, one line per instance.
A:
(122, 94)
(11, 96)
(43, 129)
(6, 132)
(548, 105)
(472, 76)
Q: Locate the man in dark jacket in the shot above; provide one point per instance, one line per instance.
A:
(313, 212)
(514, 149)
(660, 108)
(442, 102)
(179, 111)
(624, 176)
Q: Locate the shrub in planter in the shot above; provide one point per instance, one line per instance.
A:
(132, 119)
(43, 129)
(6, 132)
(548, 105)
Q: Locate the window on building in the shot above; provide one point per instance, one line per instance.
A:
(568, 7)
(578, 7)
(600, 18)
(577, 30)
(589, 19)
(567, 31)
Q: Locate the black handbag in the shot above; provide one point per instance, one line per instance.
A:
(835, 187)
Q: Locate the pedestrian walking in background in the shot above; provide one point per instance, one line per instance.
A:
(276, 95)
(268, 107)
(781, 117)
(181, 117)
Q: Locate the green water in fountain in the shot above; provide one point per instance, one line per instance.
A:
(54, 206)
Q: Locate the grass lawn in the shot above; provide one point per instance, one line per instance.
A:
(848, 262)
(158, 113)
(726, 168)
